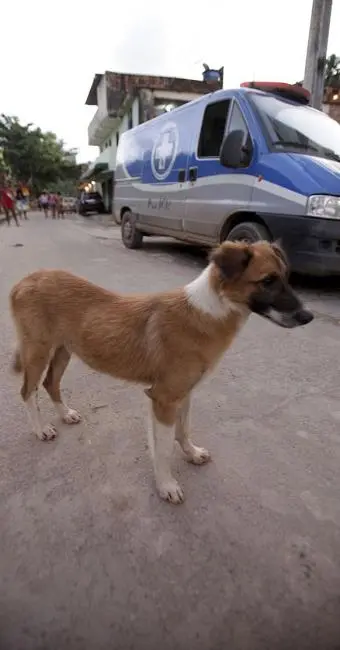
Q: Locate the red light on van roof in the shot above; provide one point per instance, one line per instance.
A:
(295, 92)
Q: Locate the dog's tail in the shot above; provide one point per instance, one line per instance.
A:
(16, 362)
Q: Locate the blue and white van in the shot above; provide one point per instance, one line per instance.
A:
(252, 163)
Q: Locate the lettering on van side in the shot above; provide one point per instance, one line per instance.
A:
(163, 203)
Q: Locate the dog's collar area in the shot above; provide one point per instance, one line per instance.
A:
(201, 294)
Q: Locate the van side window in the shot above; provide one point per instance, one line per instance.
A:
(237, 123)
(212, 131)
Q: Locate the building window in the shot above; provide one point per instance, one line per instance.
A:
(117, 138)
(213, 128)
(109, 143)
(130, 119)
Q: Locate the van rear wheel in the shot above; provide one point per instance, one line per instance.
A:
(249, 232)
(131, 237)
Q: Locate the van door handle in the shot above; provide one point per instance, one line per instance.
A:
(193, 174)
(181, 176)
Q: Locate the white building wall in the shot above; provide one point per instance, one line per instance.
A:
(113, 152)
(124, 125)
(135, 112)
(101, 97)
(104, 157)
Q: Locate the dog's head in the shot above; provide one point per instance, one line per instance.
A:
(256, 276)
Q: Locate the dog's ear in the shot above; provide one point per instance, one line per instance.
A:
(279, 252)
(232, 259)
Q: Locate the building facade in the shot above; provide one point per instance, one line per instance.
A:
(123, 101)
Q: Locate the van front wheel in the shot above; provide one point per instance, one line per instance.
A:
(131, 237)
(249, 232)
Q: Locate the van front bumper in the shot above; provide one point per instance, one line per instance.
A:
(312, 244)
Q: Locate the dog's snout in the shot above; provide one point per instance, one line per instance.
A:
(304, 316)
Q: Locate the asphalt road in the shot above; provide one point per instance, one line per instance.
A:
(92, 559)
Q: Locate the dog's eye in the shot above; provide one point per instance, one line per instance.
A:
(268, 281)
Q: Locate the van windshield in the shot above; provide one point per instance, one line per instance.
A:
(298, 128)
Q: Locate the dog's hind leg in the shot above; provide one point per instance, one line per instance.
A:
(56, 369)
(192, 453)
(34, 365)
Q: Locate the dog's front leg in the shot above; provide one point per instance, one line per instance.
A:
(161, 444)
(192, 453)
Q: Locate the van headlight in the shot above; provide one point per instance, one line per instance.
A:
(326, 207)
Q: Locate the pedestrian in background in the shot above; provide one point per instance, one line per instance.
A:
(52, 201)
(26, 194)
(21, 203)
(60, 206)
(8, 204)
(43, 200)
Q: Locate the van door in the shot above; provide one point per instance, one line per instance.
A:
(215, 191)
(164, 171)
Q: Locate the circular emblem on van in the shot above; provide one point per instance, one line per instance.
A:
(164, 151)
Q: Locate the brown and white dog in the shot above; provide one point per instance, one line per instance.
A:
(167, 341)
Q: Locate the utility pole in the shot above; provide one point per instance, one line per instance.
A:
(317, 50)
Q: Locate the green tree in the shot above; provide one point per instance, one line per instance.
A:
(332, 71)
(331, 67)
(4, 168)
(35, 157)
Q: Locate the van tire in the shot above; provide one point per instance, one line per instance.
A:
(249, 231)
(131, 237)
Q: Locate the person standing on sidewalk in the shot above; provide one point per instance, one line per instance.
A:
(8, 204)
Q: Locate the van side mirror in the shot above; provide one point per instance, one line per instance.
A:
(232, 153)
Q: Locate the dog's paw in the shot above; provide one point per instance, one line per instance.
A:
(49, 432)
(197, 455)
(71, 417)
(171, 491)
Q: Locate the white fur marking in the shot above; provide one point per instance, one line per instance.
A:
(275, 316)
(201, 295)
(43, 433)
(34, 414)
(70, 416)
(161, 444)
(192, 453)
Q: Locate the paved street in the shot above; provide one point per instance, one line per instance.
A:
(91, 559)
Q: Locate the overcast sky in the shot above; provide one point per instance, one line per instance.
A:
(49, 53)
